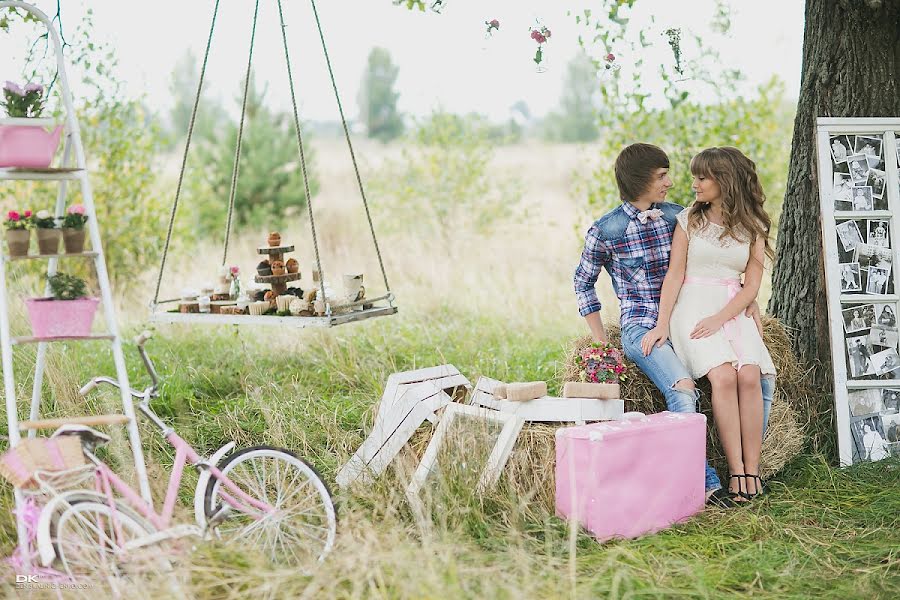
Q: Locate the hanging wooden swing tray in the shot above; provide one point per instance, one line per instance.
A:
(274, 249)
(277, 278)
(298, 322)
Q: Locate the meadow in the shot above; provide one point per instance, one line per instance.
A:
(493, 298)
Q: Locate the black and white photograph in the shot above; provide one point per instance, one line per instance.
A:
(875, 162)
(885, 314)
(878, 234)
(890, 399)
(858, 318)
(877, 180)
(883, 336)
(850, 277)
(870, 146)
(859, 168)
(860, 354)
(842, 191)
(868, 255)
(868, 435)
(841, 148)
(891, 424)
(876, 283)
(886, 361)
(865, 402)
(862, 198)
(848, 232)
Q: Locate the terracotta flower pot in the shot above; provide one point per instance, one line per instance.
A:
(602, 391)
(17, 241)
(48, 240)
(73, 240)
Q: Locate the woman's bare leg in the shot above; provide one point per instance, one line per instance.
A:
(751, 410)
(726, 412)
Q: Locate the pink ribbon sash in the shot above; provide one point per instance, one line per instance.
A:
(730, 328)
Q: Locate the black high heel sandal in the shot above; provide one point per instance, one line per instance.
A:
(760, 486)
(725, 498)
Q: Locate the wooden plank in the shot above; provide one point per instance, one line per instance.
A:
(12, 174)
(90, 421)
(39, 256)
(550, 409)
(30, 121)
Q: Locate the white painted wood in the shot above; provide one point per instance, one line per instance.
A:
(827, 127)
(30, 121)
(549, 409)
(14, 174)
(512, 425)
(296, 322)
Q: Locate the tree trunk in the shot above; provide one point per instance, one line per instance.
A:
(851, 68)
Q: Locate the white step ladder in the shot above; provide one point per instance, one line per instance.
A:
(67, 172)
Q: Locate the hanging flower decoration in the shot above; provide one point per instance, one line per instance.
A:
(540, 35)
(492, 26)
(600, 363)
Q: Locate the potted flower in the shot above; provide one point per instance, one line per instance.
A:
(67, 313)
(600, 369)
(25, 145)
(18, 235)
(73, 229)
(48, 235)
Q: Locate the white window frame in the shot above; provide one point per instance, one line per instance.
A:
(887, 128)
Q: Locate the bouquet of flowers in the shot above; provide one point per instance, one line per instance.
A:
(23, 102)
(75, 217)
(600, 363)
(540, 35)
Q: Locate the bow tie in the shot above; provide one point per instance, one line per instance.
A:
(653, 213)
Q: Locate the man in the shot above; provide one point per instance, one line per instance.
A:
(633, 242)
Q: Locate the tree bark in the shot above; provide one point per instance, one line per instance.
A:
(851, 68)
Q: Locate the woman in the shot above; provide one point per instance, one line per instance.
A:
(722, 236)
(876, 448)
(887, 316)
(857, 322)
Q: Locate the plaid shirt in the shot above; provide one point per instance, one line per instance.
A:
(636, 256)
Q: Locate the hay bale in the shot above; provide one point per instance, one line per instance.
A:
(793, 406)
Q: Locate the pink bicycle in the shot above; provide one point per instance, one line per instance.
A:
(265, 497)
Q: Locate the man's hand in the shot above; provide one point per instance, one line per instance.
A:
(753, 312)
(655, 337)
(706, 327)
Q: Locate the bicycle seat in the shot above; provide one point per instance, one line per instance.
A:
(89, 437)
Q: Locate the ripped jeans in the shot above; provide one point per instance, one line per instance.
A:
(665, 369)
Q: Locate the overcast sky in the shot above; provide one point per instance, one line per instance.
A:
(444, 59)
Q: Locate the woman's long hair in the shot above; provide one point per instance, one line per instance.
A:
(744, 216)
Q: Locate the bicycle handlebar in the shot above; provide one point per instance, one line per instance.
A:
(142, 338)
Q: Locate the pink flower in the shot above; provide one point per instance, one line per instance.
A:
(610, 57)
(234, 271)
(14, 88)
(76, 209)
(27, 214)
(546, 32)
(495, 23)
(34, 87)
(539, 38)
(12, 215)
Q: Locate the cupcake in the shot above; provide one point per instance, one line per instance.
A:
(298, 306)
(264, 268)
(292, 265)
(259, 308)
(269, 296)
(258, 295)
(295, 291)
(277, 267)
(283, 302)
(274, 239)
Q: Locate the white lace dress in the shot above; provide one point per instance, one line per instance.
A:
(712, 277)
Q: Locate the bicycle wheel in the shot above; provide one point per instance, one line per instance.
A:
(85, 539)
(302, 529)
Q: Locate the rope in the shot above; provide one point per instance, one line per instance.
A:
(237, 150)
(312, 220)
(337, 97)
(162, 264)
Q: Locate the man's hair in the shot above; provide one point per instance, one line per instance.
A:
(635, 167)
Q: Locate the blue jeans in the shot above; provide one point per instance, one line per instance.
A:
(665, 369)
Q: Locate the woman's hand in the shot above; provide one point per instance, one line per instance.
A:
(655, 337)
(706, 327)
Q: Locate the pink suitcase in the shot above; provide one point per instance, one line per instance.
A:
(630, 477)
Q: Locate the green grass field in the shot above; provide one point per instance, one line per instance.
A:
(821, 532)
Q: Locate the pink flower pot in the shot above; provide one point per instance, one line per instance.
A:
(61, 318)
(28, 146)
